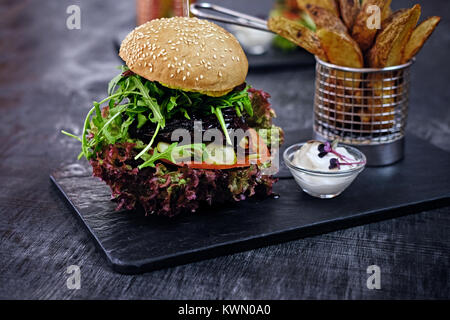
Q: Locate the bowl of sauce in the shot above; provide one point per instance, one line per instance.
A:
(324, 170)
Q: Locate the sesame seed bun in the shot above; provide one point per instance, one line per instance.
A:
(186, 53)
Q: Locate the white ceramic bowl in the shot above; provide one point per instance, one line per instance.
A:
(255, 42)
(322, 184)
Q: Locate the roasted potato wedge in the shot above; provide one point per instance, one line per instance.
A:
(327, 4)
(349, 9)
(391, 18)
(391, 42)
(387, 8)
(332, 103)
(386, 11)
(418, 37)
(360, 32)
(340, 48)
(324, 18)
(341, 107)
(298, 34)
(381, 101)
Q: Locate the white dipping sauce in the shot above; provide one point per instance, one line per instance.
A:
(322, 185)
(307, 157)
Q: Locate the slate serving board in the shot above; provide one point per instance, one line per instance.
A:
(134, 244)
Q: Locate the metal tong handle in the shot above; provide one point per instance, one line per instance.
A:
(241, 19)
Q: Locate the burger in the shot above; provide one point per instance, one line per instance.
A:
(180, 128)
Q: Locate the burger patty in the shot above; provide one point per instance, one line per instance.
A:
(146, 132)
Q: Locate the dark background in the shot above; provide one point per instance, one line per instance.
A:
(49, 77)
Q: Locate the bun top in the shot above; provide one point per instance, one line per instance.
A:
(186, 53)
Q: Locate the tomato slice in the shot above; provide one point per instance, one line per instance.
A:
(256, 146)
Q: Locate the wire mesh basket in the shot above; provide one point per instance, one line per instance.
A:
(367, 108)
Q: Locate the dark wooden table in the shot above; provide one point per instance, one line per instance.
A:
(49, 77)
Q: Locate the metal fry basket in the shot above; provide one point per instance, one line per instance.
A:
(366, 108)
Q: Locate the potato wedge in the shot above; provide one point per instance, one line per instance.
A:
(340, 48)
(349, 10)
(324, 18)
(382, 99)
(298, 34)
(391, 42)
(418, 38)
(360, 32)
(327, 4)
(386, 10)
(391, 18)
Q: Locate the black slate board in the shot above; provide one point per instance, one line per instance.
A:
(135, 244)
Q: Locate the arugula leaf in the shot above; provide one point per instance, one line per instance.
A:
(141, 120)
(113, 83)
(84, 141)
(169, 153)
(219, 116)
(147, 148)
(151, 103)
(71, 135)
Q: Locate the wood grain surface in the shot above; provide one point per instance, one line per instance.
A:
(49, 77)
